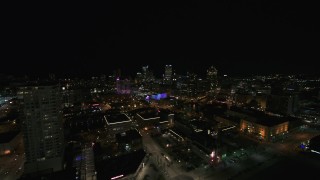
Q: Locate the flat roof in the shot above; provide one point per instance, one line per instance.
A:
(128, 136)
(199, 124)
(231, 118)
(8, 136)
(267, 120)
(116, 118)
(120, 166)
(152, 114)
(148, 115)
(260, 117)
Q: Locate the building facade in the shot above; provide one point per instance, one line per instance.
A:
(42, 128)
(262, 131)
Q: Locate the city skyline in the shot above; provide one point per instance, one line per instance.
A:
(160, 90)
(234, 69)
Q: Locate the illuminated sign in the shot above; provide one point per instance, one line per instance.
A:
(157, 96)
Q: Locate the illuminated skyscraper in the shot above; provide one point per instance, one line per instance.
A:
(147, 74)
(212, 78)
(192, 85)
(42, 128)
(168, 74)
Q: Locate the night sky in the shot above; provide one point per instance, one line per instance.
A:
(239, 38)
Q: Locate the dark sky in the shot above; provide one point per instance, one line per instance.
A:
(239, 38)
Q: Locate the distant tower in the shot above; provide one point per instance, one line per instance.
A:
(52, 76)
(42, 128)
(139, 77)
(168, 74)
(145, 72)
(192, 90)
(212, 78)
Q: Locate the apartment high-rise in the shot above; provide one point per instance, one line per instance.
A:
(42, 128)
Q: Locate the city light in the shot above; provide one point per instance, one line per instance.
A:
(117, 177)
(212, 154)
(6, 152)
(315, 151)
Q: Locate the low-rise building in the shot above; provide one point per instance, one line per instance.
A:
(258, 124)
(265, 128)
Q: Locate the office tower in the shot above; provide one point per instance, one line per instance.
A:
(147, 74)
(192, 90)
(145, 71)
(168, 74)
(212, 78)
(42, 128)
